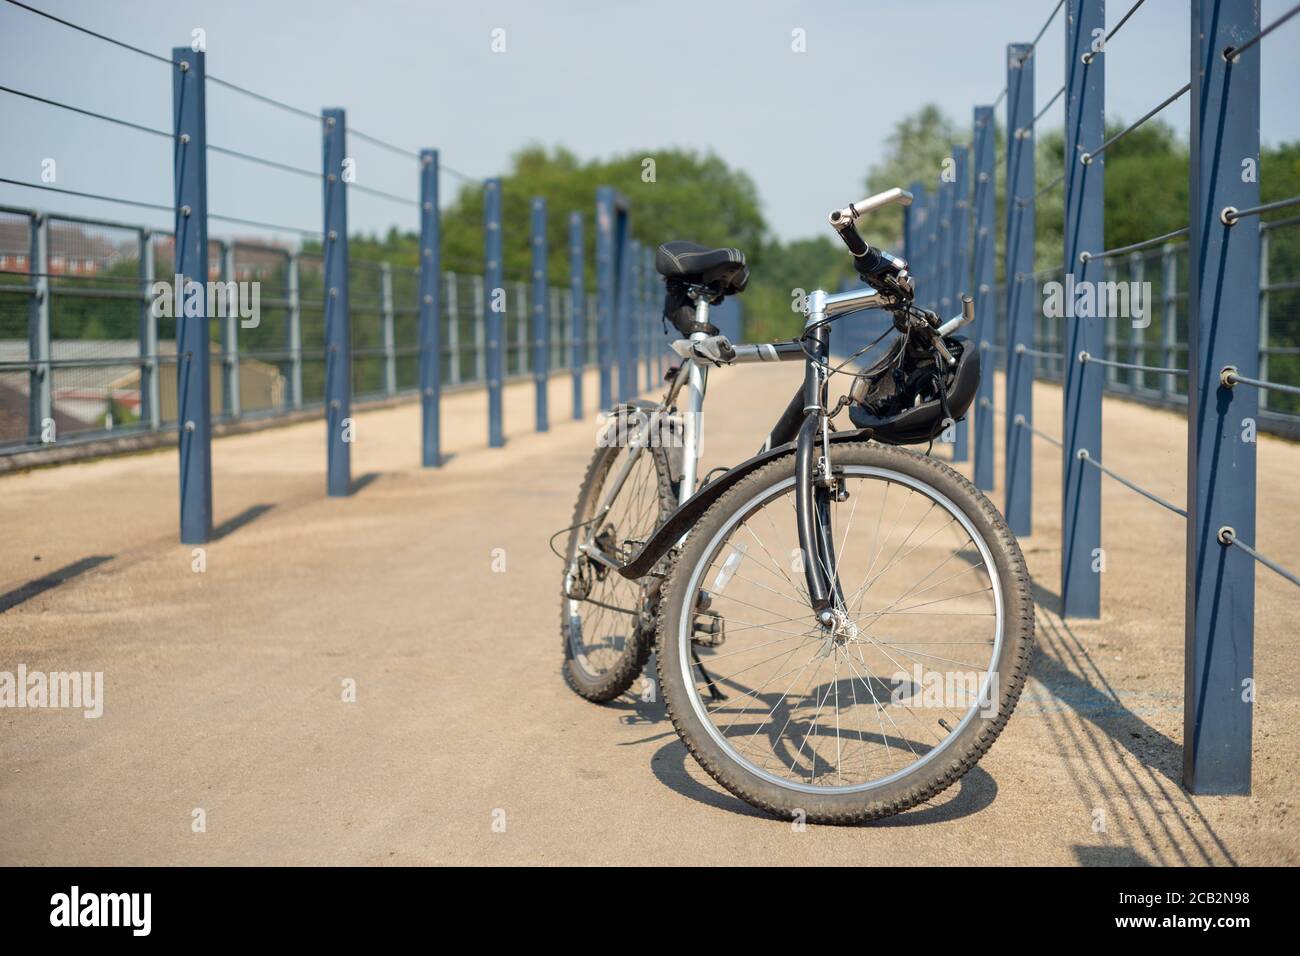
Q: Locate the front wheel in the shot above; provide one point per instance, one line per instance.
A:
(897, 698)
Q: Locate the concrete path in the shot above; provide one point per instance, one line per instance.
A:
(224, 689)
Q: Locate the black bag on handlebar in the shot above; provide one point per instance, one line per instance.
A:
(908, 397)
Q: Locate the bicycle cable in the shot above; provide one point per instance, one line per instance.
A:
(572, 527)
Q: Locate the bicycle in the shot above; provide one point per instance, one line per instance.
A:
(755, 574)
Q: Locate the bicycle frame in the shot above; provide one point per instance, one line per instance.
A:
(803, 422)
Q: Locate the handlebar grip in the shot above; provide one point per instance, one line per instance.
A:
(869, 262)
(871, 203)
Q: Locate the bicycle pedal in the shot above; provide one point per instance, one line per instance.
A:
(708, 629)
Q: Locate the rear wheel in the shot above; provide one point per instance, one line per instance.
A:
(607, 622)
(901, 694)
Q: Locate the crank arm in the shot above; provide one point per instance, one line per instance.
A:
(599, 556)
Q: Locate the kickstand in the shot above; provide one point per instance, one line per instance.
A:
(714, 693)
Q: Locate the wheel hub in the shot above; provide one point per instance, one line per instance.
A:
(837, 628)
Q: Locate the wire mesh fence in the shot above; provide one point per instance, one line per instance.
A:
(81, 322)
(1145, 308)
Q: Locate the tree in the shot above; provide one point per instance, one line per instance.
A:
(687, 196)
(914, 152)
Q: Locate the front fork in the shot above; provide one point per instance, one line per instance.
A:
(815, 489)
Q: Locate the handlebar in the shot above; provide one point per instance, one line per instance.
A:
(857, 210)
(966, 317)
(871, 264)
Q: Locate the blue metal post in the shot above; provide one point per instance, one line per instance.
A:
(931, 257)
(430, 309)
(540, 296)
(643, 311)
(983, 330)
(654, 307)
(1085, 129)
(624, 323)
(914, 236)
(944, 236)
(633, 315)
(494, 309)
(1223, 329)
(40, 378)
(910, 225)
(193, 371)
(1021, 304)
(605, 290)
(338, 319)
(577, 309)
(643, 302)
(920, 260)
(959, 274)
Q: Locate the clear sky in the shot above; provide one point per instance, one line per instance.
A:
(597, 76)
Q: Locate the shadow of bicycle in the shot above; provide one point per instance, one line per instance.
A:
(670, 766)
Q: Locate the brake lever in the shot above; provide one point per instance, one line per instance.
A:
(900, 287)
(923, 320)
(937, 341)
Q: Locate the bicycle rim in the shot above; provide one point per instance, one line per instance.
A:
(602, 628)
(841, 737)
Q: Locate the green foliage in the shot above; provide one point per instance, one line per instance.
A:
(1279, 178)
(781, 270)
(691, 196)
(914, 152)
(1146, 184)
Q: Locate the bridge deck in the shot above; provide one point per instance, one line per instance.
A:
(223, 688)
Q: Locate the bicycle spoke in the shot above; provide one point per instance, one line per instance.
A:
(904, 706)
(790, 718)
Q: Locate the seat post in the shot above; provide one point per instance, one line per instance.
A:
(697, 379)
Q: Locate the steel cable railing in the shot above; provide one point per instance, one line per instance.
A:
(1173, 97)
(1215, 291)
(85, 112)
(43, 282)
(1085, 256)
(93, 33)
(262, 97)
(1036, 353)
(234, 87)
(1232, 52)
(1231, 216)
(1228, 537)
(1090, 55)
(261, 224)
(1032, 46)
(1047, 23)
(1085, 457)
(1047, 106)
(1020, 422)
(237, 259)
(1229, 376)
(1084, 358)
(1026, 200)
(87, 195)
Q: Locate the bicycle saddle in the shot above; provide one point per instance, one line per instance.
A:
(724, 269)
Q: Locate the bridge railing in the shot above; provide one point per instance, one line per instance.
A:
(1207, 340)
(111, 363)
(336, 327)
